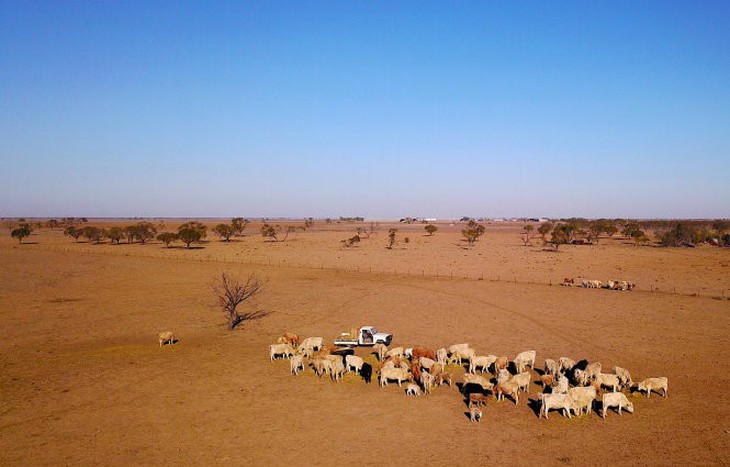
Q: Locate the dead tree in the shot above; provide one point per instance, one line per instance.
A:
(231, 293)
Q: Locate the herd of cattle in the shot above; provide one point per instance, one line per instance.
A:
(570, 386)
(596, 284)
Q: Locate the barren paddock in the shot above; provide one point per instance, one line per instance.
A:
(84, 381)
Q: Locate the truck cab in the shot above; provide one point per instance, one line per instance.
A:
(366, 336)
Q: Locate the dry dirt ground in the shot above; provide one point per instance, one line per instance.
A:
(84, 381)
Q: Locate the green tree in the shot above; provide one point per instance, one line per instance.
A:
(189, 235)
(472, 232)
(682, 233)
(430, 229)
(720, 226)
(632, 230)
(52, 224)
(167, 238)
(129, 233)
(20, 233)
(544, 229)
(94, 234)
(610, 228)
(239, 225)
(225, 231)
(595, 229)
(114, 234)
(195, 225)
(144, 231)
(73, 232)
(561, 235)
(269, 231)
(274, 232)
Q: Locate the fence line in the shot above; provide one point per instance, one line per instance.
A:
(211, 258)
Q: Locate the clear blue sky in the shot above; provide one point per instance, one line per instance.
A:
(380, 109)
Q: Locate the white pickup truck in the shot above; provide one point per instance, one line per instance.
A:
(367, 335)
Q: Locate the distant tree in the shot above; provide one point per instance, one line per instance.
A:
(189, 235)
(430, 229)
(720, 226)
(53, 224)
(632, 230)
(129, 232)
(472, 232)
(274, 232)
(526, 232)
(167, 238)
(308, 222)
(595, 229)
(391, 238)
(20, 233)
(725, 240)
(94, 234)
(114, 234)
(682, 234)
(231, 293)
(544, 229)
(367, 232)
(610, 228)
(144, 231)
(351, 241)
(73, 232)
(239, 225)
(195, 225)
(561, 235)
(269, 231)
(225, 231)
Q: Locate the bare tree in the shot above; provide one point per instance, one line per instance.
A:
(526, 232)
(231, 293)
(391, 238)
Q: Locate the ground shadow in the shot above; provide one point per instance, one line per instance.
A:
(535, 405)
(250, 316)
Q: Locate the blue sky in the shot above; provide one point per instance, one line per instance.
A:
(379, 109)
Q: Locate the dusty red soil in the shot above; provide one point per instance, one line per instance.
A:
(85, 382)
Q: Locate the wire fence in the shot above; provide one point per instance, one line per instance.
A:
(714, 293)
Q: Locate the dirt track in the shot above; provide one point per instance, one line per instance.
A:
(84, 381)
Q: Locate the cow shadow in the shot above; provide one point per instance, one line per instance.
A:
(535, 405)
